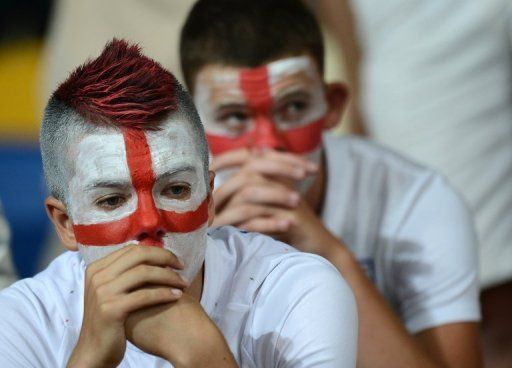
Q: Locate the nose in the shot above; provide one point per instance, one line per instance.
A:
(267, 135)
(150, 227)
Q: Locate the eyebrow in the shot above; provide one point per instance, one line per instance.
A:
(172, 172)
(293, 92)
(125, 185)
(230, 105)
(108, 184)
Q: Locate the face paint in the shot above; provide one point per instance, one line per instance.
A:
(140, 187)
(280, 105)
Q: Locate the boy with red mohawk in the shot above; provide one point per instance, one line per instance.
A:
(397, 232)
(144, 284)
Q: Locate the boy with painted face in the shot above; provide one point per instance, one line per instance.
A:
(397, 232)
(126, 161)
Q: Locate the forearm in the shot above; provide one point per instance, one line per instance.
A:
(214, 353)
(383, 341)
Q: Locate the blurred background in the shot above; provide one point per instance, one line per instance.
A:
(23, 26)
(430, 79)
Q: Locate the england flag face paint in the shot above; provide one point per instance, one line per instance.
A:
(281, 105)
(140, 187)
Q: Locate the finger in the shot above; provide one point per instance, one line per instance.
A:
(230, 159)
(235, 215)
(276, 195)
(276, 168)
(102, 263)
(292, 159)
(143, 255)
(222, 194)
(141, 298)
(143, 275)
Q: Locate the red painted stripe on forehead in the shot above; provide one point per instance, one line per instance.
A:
(147, 223)
(255, 86)
(138, 156)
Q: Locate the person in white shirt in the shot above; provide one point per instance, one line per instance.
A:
(435, 84)
(144, 283)
(399, 234)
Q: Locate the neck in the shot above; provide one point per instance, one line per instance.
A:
(195, 290)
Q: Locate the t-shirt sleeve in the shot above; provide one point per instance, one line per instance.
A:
(305, 316)
(434, 262)
(24, 341)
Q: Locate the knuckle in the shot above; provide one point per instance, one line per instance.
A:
(101, 293)
(96, 281)
(107, 309)
(91, 270)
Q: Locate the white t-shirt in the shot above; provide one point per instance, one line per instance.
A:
(408, 229)
(276, 307)
(436, 85)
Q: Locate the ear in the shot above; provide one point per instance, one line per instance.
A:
(211, 204)
(57, 213)
(337, 97)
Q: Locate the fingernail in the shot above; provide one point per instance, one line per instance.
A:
(177, 292)
(185, 280)
(180, 262)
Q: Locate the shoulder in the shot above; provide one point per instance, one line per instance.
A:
(362, 174)
(245, 252)
(362, 154)
(50, 292)
(282, 305)
(41, 308)
(256, 262)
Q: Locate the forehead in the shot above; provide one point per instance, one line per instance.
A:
(224, 81)
(101, 155)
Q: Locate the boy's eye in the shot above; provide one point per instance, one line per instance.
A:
(292, 111)
(235, 122)
(111, 202)
(177, 191)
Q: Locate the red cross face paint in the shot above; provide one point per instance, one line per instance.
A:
(140, 187)
(281, 105)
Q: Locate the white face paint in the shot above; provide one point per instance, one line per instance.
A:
(296, 88)
(297, 100)
(102, 192)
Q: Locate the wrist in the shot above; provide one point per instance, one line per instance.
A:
(83, 360)
(86, 355)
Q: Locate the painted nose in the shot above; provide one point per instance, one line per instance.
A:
(150, 227)
(267, 135)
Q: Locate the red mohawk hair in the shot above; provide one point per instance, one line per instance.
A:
(121, 87)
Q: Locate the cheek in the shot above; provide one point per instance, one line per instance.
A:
(189, 248)
(305, 139)
(92, 254)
